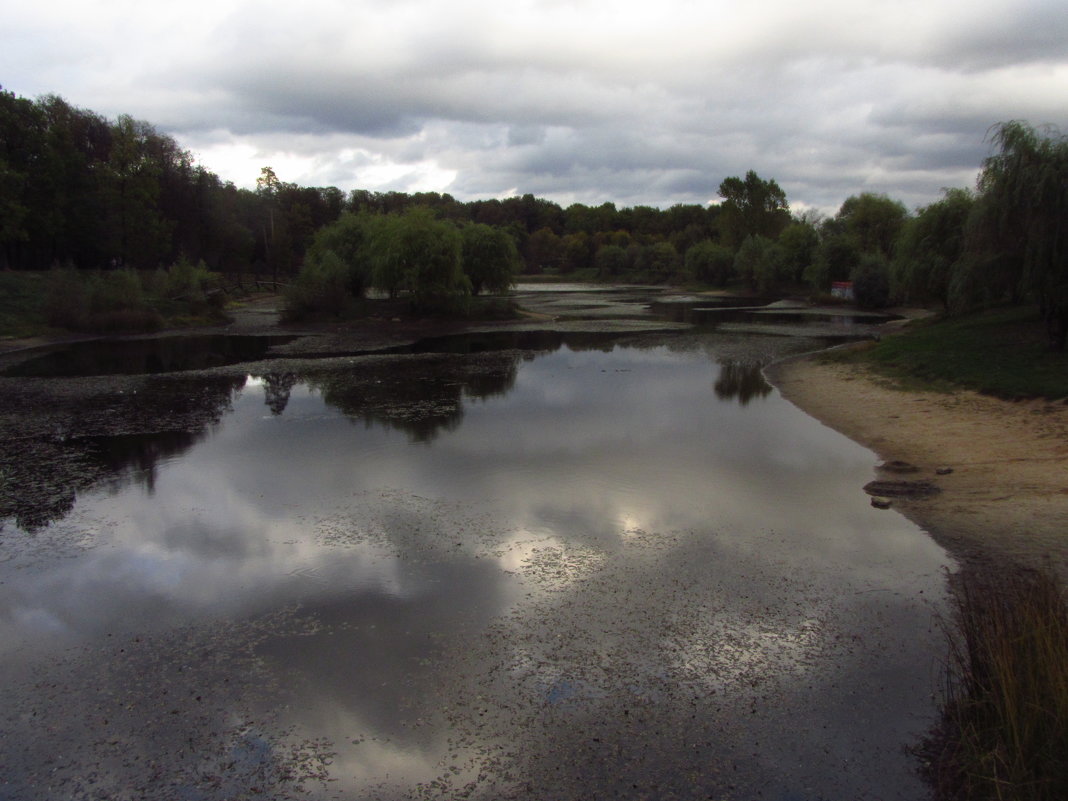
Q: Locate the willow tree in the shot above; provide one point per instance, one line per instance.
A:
(1024, 192)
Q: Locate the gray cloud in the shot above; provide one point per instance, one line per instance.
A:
(589, 101)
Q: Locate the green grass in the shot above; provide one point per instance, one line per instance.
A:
(1004, 732)
(1001, 352)
(22, 299)
(50, 302)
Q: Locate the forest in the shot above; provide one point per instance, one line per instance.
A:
(84, 193)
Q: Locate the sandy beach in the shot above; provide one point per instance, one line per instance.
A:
(1006, 498)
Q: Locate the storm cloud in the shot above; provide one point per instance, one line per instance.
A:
(651, 103)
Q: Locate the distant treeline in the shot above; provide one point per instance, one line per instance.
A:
(78, 190)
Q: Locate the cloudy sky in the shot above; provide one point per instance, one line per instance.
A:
(589, 101)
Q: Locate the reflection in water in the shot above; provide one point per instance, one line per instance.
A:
(147, 355)
(133, 458)
(741, 380)
(591, 582)
(422, 397)
(44, 470)
(276, 389)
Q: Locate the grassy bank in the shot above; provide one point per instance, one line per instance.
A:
(1004, 731)
(116, 301)
(1002, 352)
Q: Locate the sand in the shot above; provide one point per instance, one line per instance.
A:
(1006, 500)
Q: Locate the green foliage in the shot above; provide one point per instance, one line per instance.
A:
(22, 301)
(611, 260)
(544, 251)
(751, 207)
(872, 221)
(321, 287)
(929, 249)
(800, 242)
(1023, 216)
(578, 252)
(490, 258)
(421, 254)
(67, 299)
(760, 263)
(1005, 720)
(1001, 352)
(871, 282)
(658, 262)
(836, 257)
(710, 263)
(347, 241)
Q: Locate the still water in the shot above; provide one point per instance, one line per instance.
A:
(614, 572)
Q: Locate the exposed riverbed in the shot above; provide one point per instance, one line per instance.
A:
(610, 562)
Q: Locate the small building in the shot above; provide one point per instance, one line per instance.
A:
(842, 289)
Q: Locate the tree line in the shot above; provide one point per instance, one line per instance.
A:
(81, 191)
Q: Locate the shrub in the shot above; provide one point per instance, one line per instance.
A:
(321, 287)
(67, 299)
(710, 263)
(871, 282)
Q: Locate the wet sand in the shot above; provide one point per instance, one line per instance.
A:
(1007, 495)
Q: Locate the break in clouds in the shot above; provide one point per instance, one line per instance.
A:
(650, 103)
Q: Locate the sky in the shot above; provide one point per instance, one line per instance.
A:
(651, 103)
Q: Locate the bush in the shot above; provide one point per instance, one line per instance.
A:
(67, 300)
(710, 263)
(871, 282)
(321, 287)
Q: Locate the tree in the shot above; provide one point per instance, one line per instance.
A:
(544, 251)
(751, 207)
(1024, 214)
(348, 240)
(710, 263)
(871, 281)
(929, 249)
(610, 260)
(872, 220)
(420, 253)
(490, 258)
(799, 241)
(836, 257)
(759, 262)
(658, 261)
(141, 233)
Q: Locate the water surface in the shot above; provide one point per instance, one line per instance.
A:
(562, 573)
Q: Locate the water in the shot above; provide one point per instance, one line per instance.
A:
(137, 355)
(561, 573)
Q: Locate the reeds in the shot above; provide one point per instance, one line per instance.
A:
(1004, 732)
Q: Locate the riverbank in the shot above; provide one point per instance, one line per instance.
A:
(1007, 494)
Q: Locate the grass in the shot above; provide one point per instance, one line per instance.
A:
(36, 303)
(22, 299)
(1004, 732)
(1001, 352)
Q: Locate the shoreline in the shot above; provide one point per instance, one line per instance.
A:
(1006, 499)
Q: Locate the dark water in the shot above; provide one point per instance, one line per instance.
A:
(613, 572)
(146, 355)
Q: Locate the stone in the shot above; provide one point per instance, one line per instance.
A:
(898, 466)
(901, 489)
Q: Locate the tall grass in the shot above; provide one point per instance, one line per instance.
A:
(1005, 725)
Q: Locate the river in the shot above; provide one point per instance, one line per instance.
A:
(614, 568)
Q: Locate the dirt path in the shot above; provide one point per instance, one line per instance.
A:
(1007, 496)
